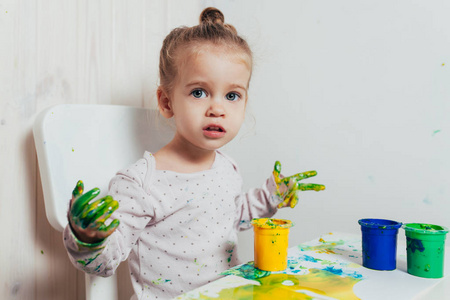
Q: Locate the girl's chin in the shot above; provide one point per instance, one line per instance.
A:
(205, 143)
(212, 144)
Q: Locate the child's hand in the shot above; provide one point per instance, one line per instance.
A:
(288, 187)
(88, 219)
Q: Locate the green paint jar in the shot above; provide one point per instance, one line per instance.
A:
(425, 245)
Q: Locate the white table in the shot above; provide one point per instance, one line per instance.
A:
(329, 267)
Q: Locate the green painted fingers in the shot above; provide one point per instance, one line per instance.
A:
(78, 190)
(288, 187)
(88, 215)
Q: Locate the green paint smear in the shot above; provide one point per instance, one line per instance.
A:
(98, 267)
(435, 132)
(231, 250)
(231, 254)
(247, 271)
(89, 260)
(160, 281)
(286, 286)
(427, 227)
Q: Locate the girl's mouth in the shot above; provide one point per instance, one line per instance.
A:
(214, 131)
(214, 128)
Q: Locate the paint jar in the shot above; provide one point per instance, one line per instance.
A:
(379, 243)
(425, 244)
(271, 243)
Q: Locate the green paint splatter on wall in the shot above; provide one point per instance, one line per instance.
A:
(435, 132)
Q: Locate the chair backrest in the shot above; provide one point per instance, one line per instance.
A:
(90, 143)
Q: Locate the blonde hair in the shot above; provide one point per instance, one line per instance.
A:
(211, 29)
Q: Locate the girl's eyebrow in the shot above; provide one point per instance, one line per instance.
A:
(204, 83)
(197, 83)
(235, 85)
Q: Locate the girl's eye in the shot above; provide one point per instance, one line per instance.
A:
(198, 94)
(232, 96)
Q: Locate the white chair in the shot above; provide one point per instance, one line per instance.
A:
(91, 143)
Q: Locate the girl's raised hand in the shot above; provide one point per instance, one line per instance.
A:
(87, 218)
(288, 187)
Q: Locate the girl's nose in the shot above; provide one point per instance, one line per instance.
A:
(215, 109)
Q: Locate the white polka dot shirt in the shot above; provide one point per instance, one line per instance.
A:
(178, 231)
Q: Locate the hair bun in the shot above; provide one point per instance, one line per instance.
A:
(212, 15)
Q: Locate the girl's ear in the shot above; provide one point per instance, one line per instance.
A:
(164, 105)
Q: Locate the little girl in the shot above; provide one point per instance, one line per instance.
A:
(177, 211)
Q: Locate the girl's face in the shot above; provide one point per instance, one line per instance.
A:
(208, 98)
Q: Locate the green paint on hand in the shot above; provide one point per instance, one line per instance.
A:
(89, 214)
(78, 190)
(288, 187)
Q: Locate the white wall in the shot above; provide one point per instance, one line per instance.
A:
(357, 90)
(52, 52)
(360, 92)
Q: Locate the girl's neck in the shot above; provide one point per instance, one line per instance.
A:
(182, 157)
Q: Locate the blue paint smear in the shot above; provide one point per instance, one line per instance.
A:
(293, 263)
(340, 272)
(413, 245)
(310, 258)
(354, 275)
(427, 201)
(333, 270)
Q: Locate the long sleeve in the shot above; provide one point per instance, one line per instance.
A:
(134, 213)
(256, 203)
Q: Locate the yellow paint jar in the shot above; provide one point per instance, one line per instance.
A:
(271, 243)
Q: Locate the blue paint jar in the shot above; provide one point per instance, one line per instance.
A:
(379, 243)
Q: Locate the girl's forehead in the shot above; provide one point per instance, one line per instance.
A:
(193, 52)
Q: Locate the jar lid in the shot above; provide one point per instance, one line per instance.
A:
(269, 223)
